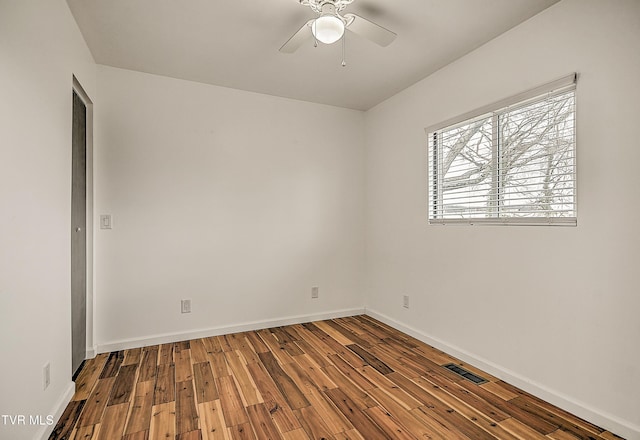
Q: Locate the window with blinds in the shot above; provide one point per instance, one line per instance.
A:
(513, 162)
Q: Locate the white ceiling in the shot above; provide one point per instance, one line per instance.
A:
(234, 43)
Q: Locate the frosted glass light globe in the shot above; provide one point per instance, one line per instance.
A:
(327, 29)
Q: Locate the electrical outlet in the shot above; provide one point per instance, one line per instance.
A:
(46, 375)
(314, 292)
(405, 301)
(185, 306)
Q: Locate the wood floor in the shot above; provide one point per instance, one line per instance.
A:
(347, 378)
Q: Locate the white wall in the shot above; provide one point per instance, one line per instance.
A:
(242, 202)
(563, 322)
(40, 49)
(238, 201)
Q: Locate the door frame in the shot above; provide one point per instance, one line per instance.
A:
(90, 303)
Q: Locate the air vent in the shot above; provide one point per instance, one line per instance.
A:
(466, 374)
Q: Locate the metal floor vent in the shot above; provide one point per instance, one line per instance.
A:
(466, 374)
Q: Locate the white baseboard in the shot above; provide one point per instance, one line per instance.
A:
(214, 331)
(91, 352)
(607, 421)
(44, 432)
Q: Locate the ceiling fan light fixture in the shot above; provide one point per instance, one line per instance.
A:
(328, 28)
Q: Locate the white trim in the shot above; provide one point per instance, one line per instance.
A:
(618, 426)
(44, 432)
(507, 221)
(91, 352)
(214, 331)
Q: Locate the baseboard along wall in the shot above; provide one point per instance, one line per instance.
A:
(215, 331)
(45, 431)
(608, 421)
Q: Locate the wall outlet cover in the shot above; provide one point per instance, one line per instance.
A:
(46, 375)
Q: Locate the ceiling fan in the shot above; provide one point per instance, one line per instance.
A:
(330, 26)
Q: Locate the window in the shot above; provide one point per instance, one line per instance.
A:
(513, 162)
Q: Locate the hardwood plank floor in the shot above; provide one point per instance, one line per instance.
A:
(343, 379)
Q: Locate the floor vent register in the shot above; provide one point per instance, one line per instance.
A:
(466, 374)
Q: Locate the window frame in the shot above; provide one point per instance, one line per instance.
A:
(493, 111)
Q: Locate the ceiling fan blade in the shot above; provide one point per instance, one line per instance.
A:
(369, 30)
(298, 38)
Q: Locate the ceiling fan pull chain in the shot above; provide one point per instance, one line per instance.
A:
(344, 43)
(315, 39)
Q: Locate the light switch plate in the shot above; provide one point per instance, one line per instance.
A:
(105, 221)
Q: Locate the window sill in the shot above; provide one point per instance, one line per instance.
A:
(557, 221)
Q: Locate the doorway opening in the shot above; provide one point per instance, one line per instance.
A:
(81, 228)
